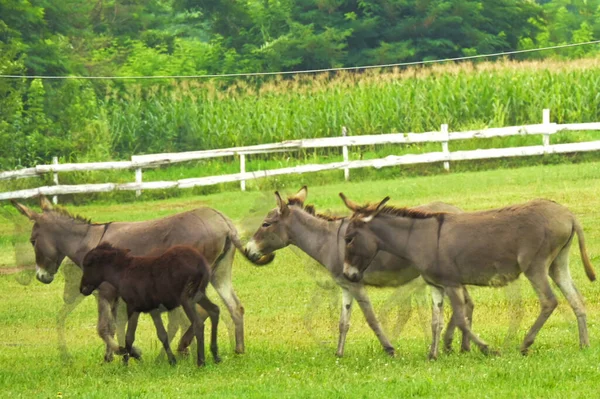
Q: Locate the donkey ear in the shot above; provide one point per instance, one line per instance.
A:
(45, 203)
(283, 208)
(32, 215)
(301, 194)
(349, 203)
(381, 205)
(378, 209)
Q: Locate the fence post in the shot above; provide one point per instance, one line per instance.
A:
(445, 145)
(138, 179)
(55, 180)
(345, 154)
(546, 135)
(243, 170)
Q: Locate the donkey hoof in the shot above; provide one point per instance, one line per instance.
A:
(390, 351)
(172, 361)
(184, 352)
(126, 359)
(65, 356)
(217, 359)
(432, 356)
(200, 363)
(108, 357)
(485, 350)
(136, 353)
(524, 351)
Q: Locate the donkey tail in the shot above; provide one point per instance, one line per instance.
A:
(235, 239)
(587, 265)
(263, 260)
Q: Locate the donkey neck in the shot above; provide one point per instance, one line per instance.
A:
(316, 236)
(75, 239)
(112, 273)
(415, 239)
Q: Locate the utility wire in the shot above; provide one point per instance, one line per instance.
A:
(355, 68)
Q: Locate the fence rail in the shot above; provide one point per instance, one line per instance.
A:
(138, 162)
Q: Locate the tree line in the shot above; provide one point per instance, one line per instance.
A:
(41, 118)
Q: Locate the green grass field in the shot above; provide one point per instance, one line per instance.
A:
(291, 320)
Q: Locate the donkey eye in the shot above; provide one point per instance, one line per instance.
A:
(265, 225)
(348, 240)
(32, 241)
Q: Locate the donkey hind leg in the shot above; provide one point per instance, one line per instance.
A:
(186, 339)
(176, 320)
(539, 280)
(360, 294)
(213, 311)
(402, 297)
(559, 271)
(469, 308)
(449, 334)
(130, 336)
(437, 320)
(347, 301)
(221, 280)
(457, 299)
(162, 335)
(198, 328)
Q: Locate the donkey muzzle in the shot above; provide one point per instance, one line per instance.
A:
(43, 276)
(86, 289)
(352, 273)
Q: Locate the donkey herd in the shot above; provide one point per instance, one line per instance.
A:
(166, 264)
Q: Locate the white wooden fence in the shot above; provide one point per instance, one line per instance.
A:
(138, 162)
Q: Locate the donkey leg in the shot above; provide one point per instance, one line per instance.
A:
(162, 335)
(469, 308)
(61, 319)
(221, 280)
(452, 325)
(344, 320)
(559, 271)
(456, 295)
(130, 335)
(359, 293)
(403, 297)
(198, 327)
(213, 311)
(186, 339)
(107, 294)
(437, 320)
(539, 279)
(71, 298)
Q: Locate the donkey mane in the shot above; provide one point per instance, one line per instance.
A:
(106, 246)
(310, 209)
(65, 213)
(402, 212)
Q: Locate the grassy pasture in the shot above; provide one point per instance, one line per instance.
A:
(291, 320)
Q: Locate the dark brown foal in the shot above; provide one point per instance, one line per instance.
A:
(150, 284)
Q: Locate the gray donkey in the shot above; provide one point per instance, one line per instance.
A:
(321, 237)
(488, 248)
(56, 234)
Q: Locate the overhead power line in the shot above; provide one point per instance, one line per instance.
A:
(354, 68)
